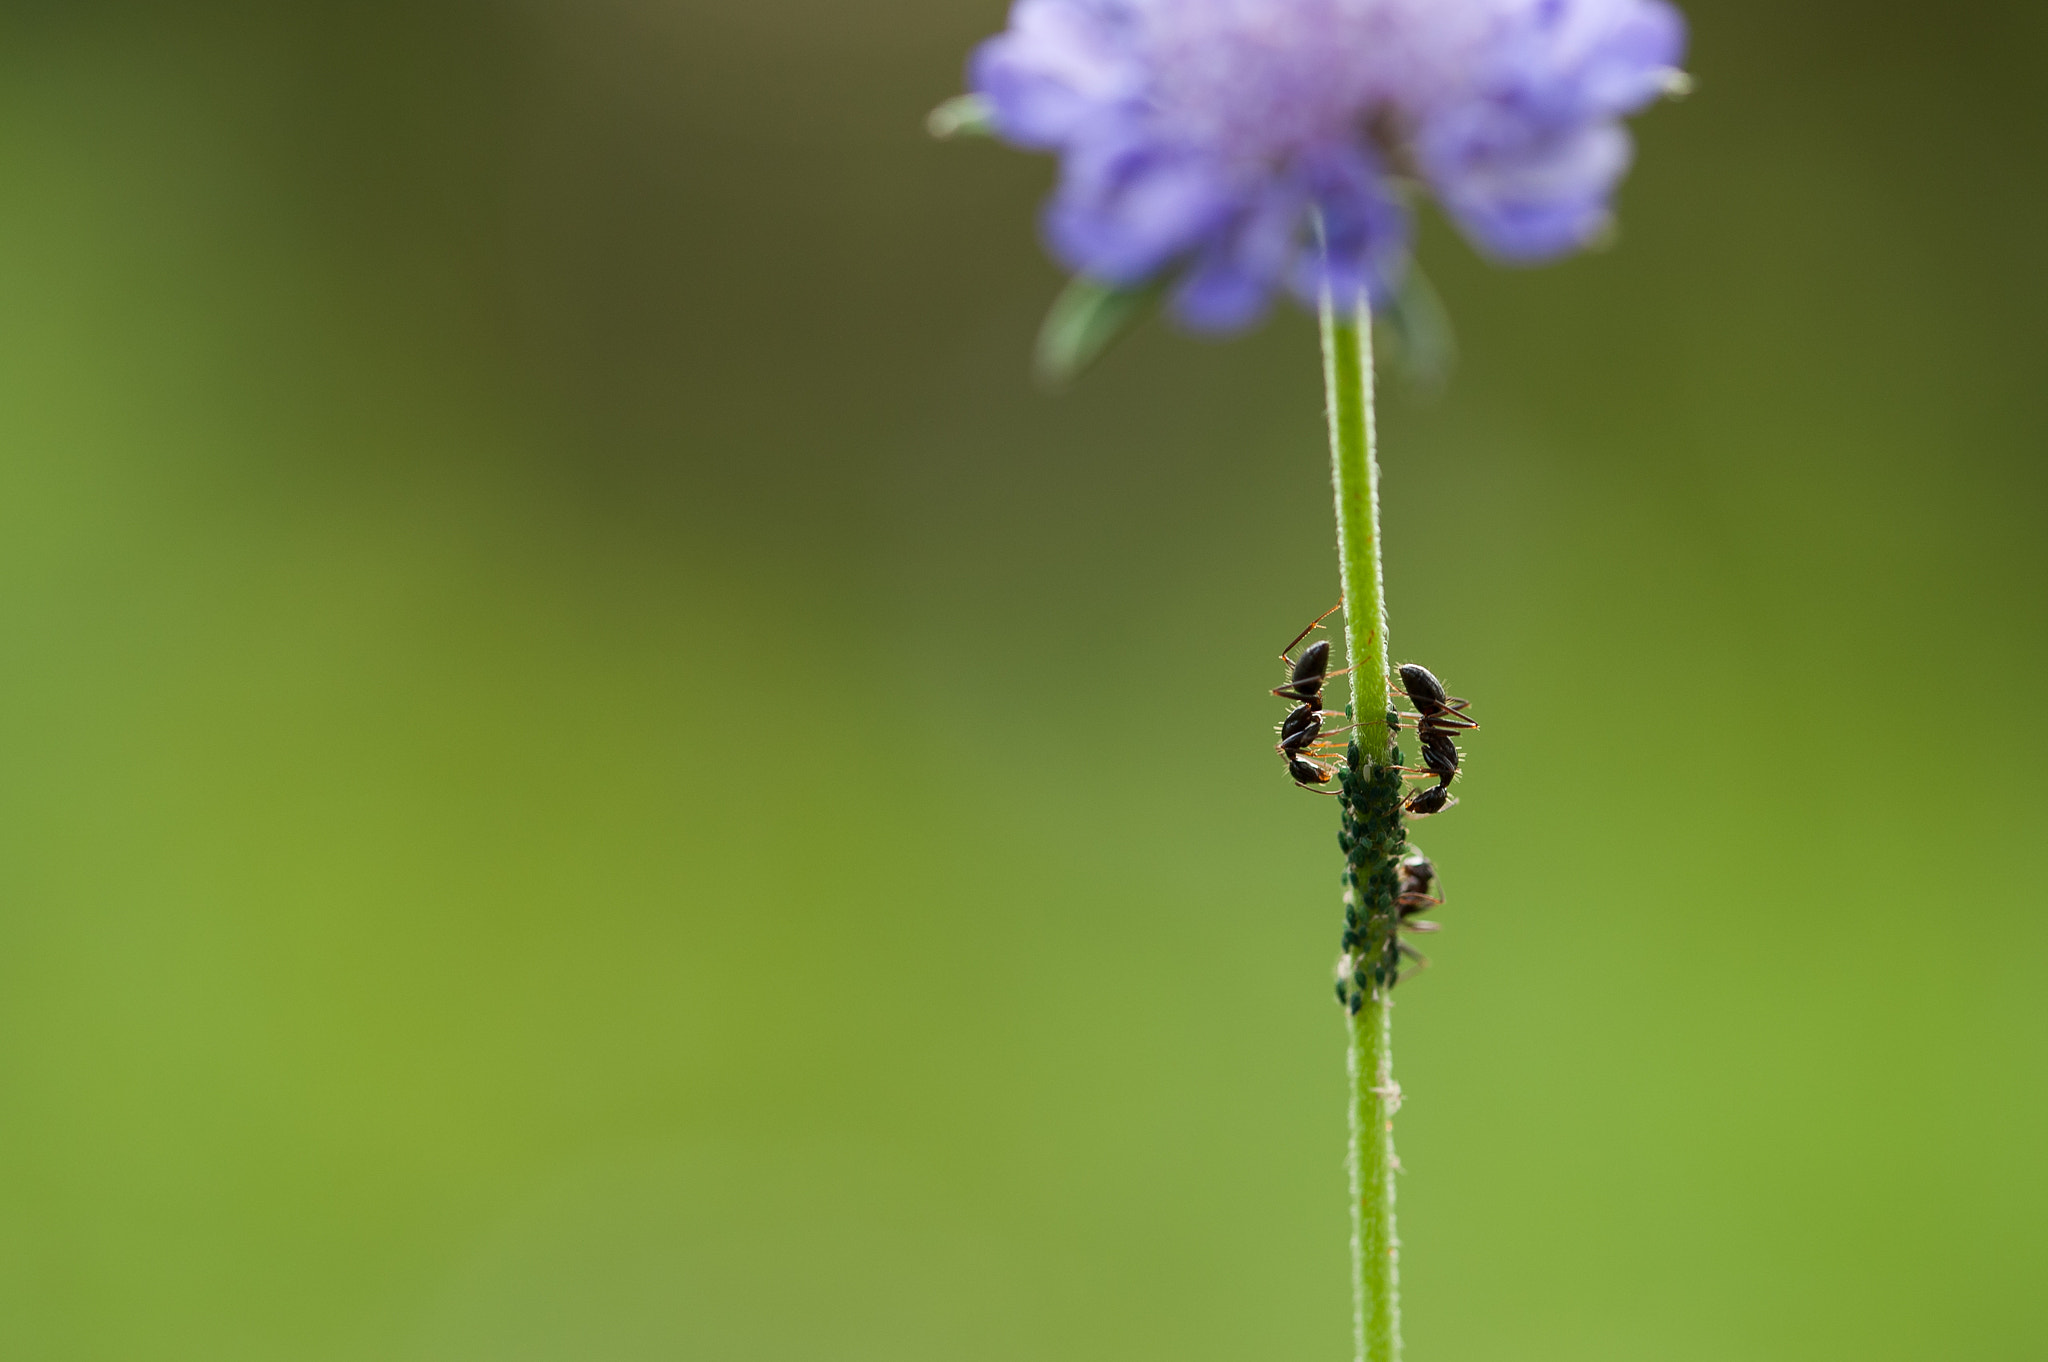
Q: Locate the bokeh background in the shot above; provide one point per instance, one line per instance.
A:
(588, 771)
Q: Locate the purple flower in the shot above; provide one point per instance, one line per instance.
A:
(1209, 137)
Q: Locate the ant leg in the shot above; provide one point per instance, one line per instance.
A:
(1444, 713)
(1424, 773)
(1314, 624)
(1421, 962)
(1453, 704)
(1443, 723)
(1418, 925)
(1457, 703)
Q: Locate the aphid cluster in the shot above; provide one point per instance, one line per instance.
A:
(1301, 732)
(1417, 890)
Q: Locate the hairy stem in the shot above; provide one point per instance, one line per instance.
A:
(1373, 835)
(1347, 378)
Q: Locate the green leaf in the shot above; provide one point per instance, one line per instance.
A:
(961, 116)
(1419, 330)
(1084, 320)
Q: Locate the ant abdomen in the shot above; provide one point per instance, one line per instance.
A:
(1422, 685)
(1310, 670)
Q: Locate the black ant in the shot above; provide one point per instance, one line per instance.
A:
(1303, 726)
(1418, 891)
(1438, 716)
(1418, 884)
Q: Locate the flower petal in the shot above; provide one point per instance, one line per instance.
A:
(1124, 216)
(1232, 281)
(1531, 199)
(1059, 67)
(1365, 227)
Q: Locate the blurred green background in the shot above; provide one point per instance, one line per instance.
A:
(590, 773)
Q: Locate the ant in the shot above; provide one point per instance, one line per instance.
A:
(1418, 891)
(1303, 726)
(1418, 883)
(1439, 715)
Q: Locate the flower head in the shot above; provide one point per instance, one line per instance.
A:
(1214, 138)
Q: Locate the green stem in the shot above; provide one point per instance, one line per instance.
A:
(1373, 834)
(1347, 376)
(1375, 1251)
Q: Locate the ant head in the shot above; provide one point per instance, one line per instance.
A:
(1306, 772)
(1435, 799)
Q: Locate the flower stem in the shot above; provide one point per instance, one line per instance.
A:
(1373, 835)
(1347, 377)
